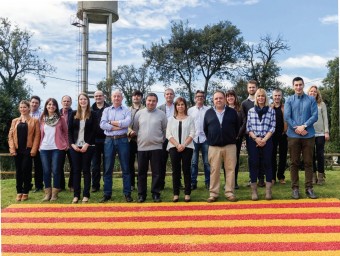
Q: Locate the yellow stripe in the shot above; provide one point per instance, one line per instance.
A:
(303, 253)
(173, 224)
(323, 200)
(170, 213)
(171, 239)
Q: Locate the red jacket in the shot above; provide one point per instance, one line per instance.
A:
(61, 133)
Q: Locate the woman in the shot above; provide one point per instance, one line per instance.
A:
(53, 142)
(180, 132)
(23, 141)
(260, 126)
(81, 136)
(321, 136)
(232, 101)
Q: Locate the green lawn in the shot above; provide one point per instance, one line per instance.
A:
(329, 190)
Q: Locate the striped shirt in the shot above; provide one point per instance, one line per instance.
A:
(261, 128)
(121, 114)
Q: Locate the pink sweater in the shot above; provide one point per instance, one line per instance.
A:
(61, 133)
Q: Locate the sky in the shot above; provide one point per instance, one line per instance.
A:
(309, 27)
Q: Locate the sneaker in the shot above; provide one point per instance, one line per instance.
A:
(156, 198)
(128, 198)
(310, 193)
(295, 194)
(141, 199)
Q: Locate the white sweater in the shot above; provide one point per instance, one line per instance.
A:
(188, 129)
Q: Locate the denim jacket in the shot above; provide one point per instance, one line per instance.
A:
(300, 110)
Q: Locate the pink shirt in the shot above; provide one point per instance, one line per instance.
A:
(61, 135)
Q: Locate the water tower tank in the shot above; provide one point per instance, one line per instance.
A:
(96, 9)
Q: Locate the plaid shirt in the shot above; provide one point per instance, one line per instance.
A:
(261, 128)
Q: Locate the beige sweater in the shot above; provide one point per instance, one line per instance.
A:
(321, 126)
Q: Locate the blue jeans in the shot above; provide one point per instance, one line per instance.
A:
(51, 163)
(203, 147)
(111, 147)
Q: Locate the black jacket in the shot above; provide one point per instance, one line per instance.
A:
(99, 111)
(217, 134)
(90, 129)
(69, 113)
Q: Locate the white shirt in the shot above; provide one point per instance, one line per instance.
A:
(48, 142)
(188, 130)
(169, 111)
(198, 115)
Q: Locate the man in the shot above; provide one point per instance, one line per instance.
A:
(66, 112)
(246, 105)
(221, 128)
(200, 140)
(150, 127)
(301, 112)
(137, 97)
(168, 108)
(115, 121)
(98, 107)
(38, 172)
(279, 138)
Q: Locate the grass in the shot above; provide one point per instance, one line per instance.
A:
(280, 192)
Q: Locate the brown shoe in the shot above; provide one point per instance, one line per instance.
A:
(24, 197)
(232, 198)
(282, 181)
(18, 198)
(212, 199)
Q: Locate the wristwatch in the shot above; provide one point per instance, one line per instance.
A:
(305, 126)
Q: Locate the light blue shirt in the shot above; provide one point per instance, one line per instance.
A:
(300, 110)
(220, 115)
(121, 114)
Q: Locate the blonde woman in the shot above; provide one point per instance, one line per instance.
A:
(81, 136)
(23, 141)
(321, 136)
(261, 126)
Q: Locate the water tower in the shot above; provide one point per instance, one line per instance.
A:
(97, 12)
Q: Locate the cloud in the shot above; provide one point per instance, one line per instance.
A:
(329, 19)
(287, 79)
(239, 2)
(306, 61)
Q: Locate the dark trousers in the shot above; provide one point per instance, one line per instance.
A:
(279, 169)
(181, 161)
(62, 174)
(260, 158)
(319, 154)
(297, 146)
(144, 157)
(238, 151)
(97, 158)
(38, 172)
(261, 172)
(23, 174)
(165, 155)
(133, 153)
(82, 163)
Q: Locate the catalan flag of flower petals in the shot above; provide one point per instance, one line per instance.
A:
(303, 227)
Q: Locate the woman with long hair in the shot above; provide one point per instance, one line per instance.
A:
(233, 102)
(180, 132)
(81, 136)
(53, 142)
(321, 136)
(261, 126)
(23, 141)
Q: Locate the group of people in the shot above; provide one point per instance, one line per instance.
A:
(91, 136)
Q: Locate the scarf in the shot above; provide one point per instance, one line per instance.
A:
(261, 111)
(51, 121)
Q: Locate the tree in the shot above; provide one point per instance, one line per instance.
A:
(174, 61)
(9, 106)
(261, 64)
(18, 57)
(190, 54)
(332, 82)
(127, 79)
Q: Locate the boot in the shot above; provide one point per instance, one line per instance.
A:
(48, 192)
(269, 191)
(55, 192)
(254, 195)
(315, 180)
(321, 178)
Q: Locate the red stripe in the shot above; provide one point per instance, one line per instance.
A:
(143, 248)
(142, 208)
(303, 216)
(172, 231)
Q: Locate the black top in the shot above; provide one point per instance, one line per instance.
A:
(99, 112)
(246, 105)
(279, 121)
(221, 134)
(22, 131)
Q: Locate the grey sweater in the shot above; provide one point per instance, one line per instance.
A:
(321, 126)
(150, 127)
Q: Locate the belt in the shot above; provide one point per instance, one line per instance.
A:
(115, 137)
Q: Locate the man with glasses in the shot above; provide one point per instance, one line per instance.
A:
(200, 140)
